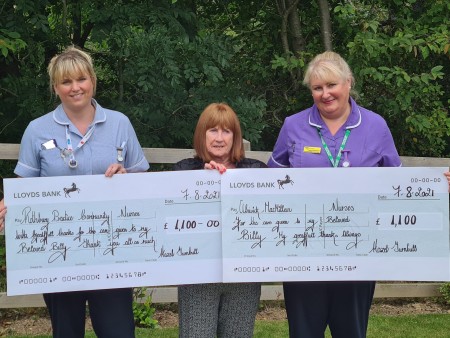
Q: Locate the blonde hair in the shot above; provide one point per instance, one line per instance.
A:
(71, 63)
(221, 115)
(328, 66)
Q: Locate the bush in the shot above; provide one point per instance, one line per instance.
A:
(143, 309)
(445, 291)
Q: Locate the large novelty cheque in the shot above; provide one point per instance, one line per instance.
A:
(91, 232)
(335, 224)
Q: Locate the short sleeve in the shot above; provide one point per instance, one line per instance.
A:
(28, 164)
(135, 160)
(389, 154)
(280, 155)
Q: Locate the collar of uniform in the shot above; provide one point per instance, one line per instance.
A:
(353, 121)
(60, 116)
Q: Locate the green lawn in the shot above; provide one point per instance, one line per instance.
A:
(411, 326)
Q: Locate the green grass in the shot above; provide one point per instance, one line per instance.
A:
(413, 326)
(410, 326)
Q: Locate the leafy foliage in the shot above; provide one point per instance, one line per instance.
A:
(398, 56)
(10, 42)
(162, 62)
(445, 292)
(142, 309)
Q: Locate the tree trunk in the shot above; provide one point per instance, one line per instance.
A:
(77, 23)
(80, 32)
(64, 19)
(281, 4)
(325, 24)
(298, 43)
(287, 10)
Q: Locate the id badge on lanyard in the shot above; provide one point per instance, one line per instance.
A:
(335, 162)
(69, 151)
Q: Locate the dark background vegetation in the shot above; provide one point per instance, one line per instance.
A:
(161, 62)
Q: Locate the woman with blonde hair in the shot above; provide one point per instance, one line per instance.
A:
(80, 137)
(335, 132)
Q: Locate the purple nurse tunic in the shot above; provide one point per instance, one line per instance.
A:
(369, 144)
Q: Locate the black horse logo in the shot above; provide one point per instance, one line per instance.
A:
(73, 188)
(285, 181)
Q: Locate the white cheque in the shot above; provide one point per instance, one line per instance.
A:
(247, 225)
(92, 232)
(335, 224)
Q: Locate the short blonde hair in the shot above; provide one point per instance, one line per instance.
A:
(327, 66)
(221, 115)
(71, 63)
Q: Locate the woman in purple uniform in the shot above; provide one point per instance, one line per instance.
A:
(334, 132)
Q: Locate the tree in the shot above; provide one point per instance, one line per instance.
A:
(399, 57)
(161, 62)
(152, 63)
(325, 24)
